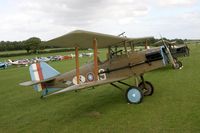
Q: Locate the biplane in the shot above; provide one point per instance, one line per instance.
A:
(122, 63)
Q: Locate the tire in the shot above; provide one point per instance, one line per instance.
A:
(178, 65)
(134, 95)
(147, 89)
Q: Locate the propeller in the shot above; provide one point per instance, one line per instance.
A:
(171, 59)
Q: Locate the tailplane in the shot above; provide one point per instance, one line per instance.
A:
(41, 72)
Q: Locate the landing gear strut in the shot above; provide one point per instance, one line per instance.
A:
(178, 64)
(146, 86)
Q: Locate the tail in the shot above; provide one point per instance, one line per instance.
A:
(41, 72)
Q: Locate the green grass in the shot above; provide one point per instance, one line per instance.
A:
(174, 106)
(13, 52)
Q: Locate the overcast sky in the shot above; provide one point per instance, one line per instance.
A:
(47, 19)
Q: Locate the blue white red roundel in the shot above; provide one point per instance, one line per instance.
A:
(90, 76)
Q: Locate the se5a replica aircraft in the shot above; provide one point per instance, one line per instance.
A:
(122, 63)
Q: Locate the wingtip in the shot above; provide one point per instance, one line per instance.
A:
(22, 84)
(27, 83)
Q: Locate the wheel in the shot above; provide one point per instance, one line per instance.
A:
(178, 65)
(134, 95)
(147, 88)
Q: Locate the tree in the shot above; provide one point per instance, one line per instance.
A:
(33, 44)
(179, 41)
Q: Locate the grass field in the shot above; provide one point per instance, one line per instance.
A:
(174, 106)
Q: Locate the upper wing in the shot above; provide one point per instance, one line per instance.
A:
(83, 39)
(86, 85)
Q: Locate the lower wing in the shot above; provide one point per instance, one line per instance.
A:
(86, 85)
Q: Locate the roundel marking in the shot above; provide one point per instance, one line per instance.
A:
(81, 79)
(90, 76)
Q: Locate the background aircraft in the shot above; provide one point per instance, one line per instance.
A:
(86, 54)
(3, 65)
(24, 62)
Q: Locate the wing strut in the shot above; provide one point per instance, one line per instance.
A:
(146, 44)
(95, 59)
(77, 65)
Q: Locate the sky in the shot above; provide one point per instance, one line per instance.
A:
(47, 19)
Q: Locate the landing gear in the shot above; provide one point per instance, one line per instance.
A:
(134, 95)
(147, 88)
(178, 64)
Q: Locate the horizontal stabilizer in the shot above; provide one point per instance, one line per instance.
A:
(29, 83)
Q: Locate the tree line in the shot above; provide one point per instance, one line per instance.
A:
(31, 45)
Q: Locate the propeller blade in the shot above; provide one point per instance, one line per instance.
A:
(171, 59)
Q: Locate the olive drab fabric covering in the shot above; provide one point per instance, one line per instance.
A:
(83, 39)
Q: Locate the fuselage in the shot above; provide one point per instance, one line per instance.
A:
(117, 66)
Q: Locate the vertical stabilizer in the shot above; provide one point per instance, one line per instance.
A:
(41, 71)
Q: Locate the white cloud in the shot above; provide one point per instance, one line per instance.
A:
(50, 18)
(77, 12)
(191, 17)
(31, 16)
(176, 2)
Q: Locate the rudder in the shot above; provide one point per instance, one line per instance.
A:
(41, 71)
